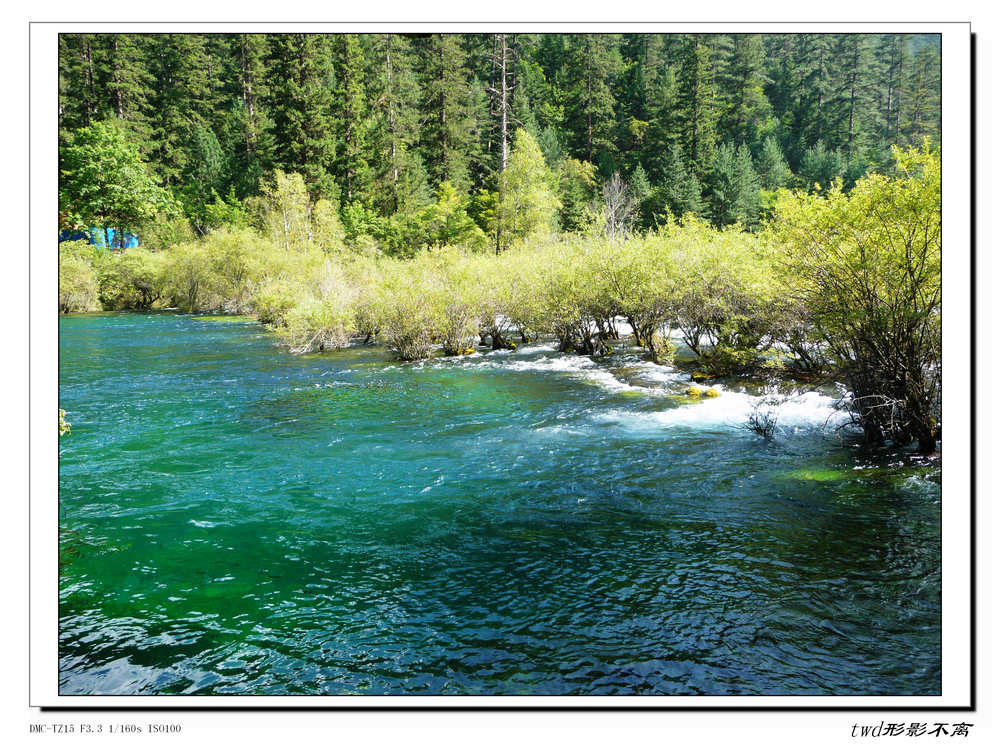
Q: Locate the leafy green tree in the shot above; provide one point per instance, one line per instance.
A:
(283, 210)
(446, 222)
(527, 204)
(361, 223)
(103, 181)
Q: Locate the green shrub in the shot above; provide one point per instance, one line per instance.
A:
(77, 280)
(133, 279)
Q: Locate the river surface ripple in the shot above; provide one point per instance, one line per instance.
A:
(235, 519)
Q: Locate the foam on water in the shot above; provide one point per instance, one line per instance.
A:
(544, 358)
(729, 410)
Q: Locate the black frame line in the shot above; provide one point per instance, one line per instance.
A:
(971, 707)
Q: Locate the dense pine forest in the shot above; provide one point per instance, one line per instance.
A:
(769, 204)
(376, 123)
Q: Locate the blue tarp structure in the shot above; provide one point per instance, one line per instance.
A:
(95, 236)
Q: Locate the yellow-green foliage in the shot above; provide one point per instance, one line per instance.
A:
(283, 210)
(721, 289)
(496, 281)
(188, 278)
(77, 281)
(527, 205)
(64, 427)
(165, 231)
(867, 266)
(327, 230)
(663, 349)
(726, 285)
(451, 293)
(134, 278)
(405, 316)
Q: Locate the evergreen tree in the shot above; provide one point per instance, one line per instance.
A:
(747, 109)
(302, 106)
(820, 166)
(680, 191)
(353, 170)
(590, 111)
(666, 128)
(79, 100)
(734, 188)
(128, 74)
(772, 167)
(577, 191)
(204, 179)
(855, 101)
(697, 105)
(386, 116)
(448, 133)
(889, 59)
(400, 179)
(921, 97)
(249, 125)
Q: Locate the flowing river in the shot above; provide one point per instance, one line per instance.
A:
(236, 519)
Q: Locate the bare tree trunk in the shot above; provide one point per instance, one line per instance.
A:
(248, 97)
(88, 57)
(503, 95)
(119, 94)
(392, 109)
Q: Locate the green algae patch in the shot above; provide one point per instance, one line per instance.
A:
(817, 475)
(226, 319)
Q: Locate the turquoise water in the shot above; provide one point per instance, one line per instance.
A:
(235, 519)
